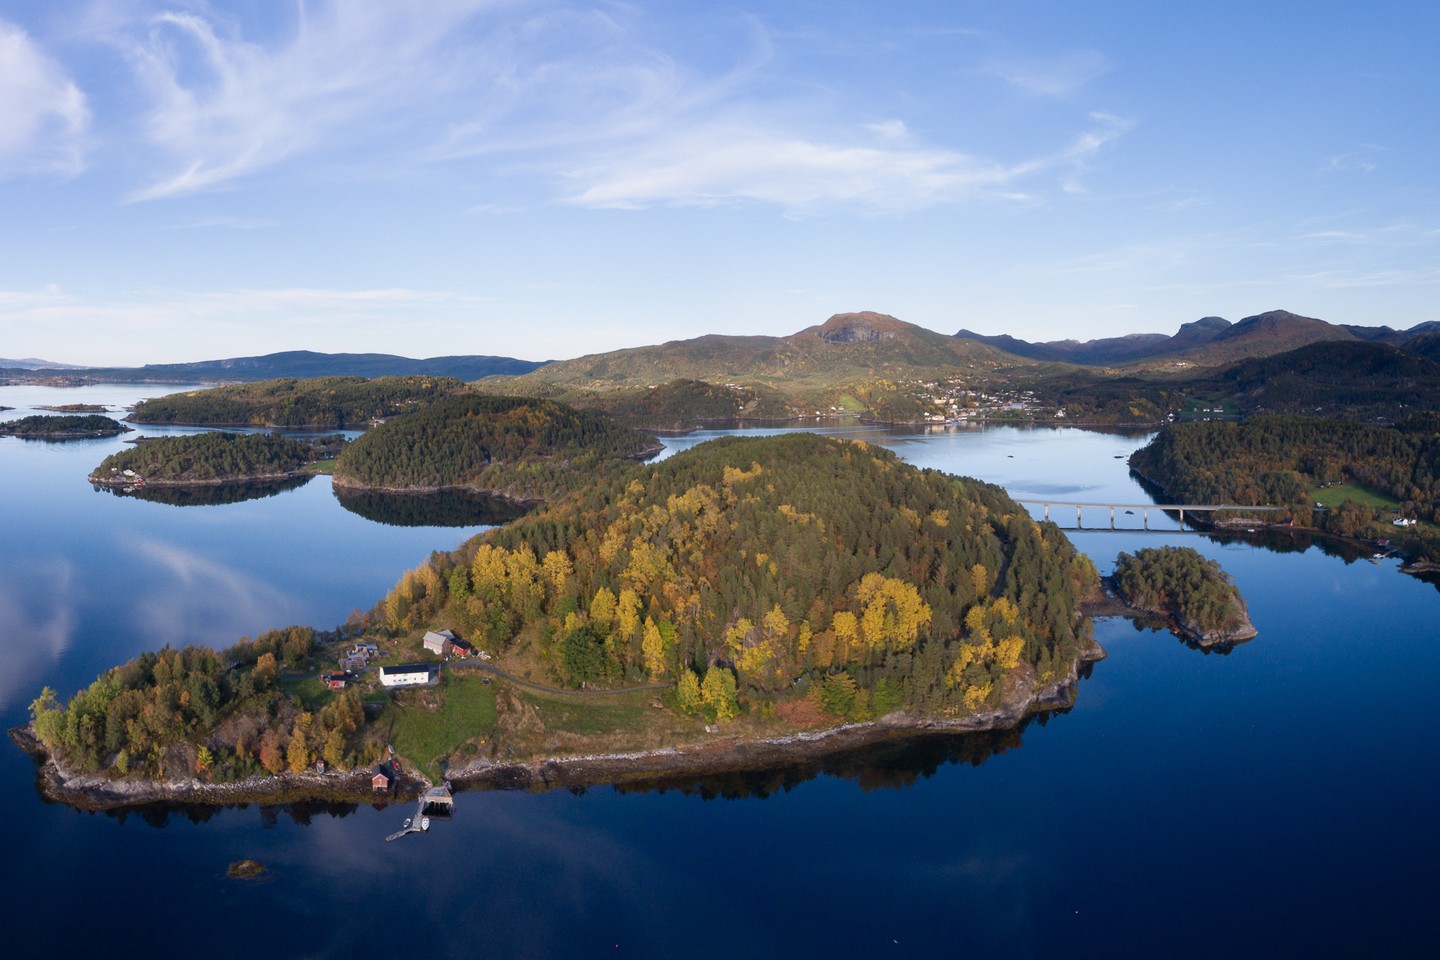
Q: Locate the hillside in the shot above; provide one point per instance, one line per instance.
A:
(682, 404)
(327, 403)
(848, 348)
(521, 448)
(1364, 475)
(1353, 379)
(784, 559)
(211, 458)
(1209, 341)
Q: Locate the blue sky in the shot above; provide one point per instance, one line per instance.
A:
(191, 180)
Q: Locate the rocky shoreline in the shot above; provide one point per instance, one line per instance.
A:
(719, 755)
(1113, 604)
(123, 481)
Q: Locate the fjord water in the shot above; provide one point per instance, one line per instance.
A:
(1273, 801)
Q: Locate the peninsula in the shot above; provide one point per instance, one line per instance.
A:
(214, 458)
(748, 600)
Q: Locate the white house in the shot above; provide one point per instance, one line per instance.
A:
(438, 642)
(407, 675)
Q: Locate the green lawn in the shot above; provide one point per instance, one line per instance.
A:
(467, 710)
(1337, 494)
(310, 691)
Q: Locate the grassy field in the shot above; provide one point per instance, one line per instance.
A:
(321, 466)
(430, 723)
(1337, 494)
(310, 691)
(587, 717)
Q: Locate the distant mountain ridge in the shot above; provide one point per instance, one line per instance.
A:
(32, 363)
(304, 364)
(846, 348)
(1209, 340)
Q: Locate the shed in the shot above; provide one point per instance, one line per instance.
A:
(382, 778)
(335, 681)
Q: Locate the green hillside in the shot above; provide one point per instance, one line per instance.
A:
(848, 348)
(330, 403)
(783, 560)
(517, 447)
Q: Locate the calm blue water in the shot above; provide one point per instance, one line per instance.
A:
(1273, 802)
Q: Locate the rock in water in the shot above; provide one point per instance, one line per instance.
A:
(245, 870)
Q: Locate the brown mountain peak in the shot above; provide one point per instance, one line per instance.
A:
(863, 327)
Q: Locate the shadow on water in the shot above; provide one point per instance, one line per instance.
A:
(207, 495)
(455, 508)
(162, 815)
(893, 765)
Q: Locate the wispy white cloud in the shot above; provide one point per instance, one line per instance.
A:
(576, 97)
(738, 161)
(1364, 159)
(44, 118)
(225, 106)
(1058, 76)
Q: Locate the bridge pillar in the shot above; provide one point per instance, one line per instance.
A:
(1047, 511)
(1182, 518)
(1078, 524)
(1145, 512)
(1112, 517)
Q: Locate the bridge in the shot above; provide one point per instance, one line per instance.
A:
(1144, 509)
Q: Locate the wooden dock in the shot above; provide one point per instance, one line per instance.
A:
(438, 800)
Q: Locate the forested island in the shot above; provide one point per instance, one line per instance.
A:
(1195, 594)
(1349, 479)
(716, 604)
(66, 427)
(515, 447)
(213, 458)
(324, 403)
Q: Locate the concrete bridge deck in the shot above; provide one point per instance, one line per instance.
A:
(1143, 508)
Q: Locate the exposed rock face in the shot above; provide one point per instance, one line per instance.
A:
(864, 327)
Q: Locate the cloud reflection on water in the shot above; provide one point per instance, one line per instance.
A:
(37, 625)
(193, 598)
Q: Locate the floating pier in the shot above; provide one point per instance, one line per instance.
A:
(437, 800)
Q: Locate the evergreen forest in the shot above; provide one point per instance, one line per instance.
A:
(62, 427)
(521, 448)
(213, 457)
(1289, 461)
(1179, 581)
(325, 403)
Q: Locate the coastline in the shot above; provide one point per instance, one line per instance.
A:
(716, 756)
(213, 482)
(1114, 604)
